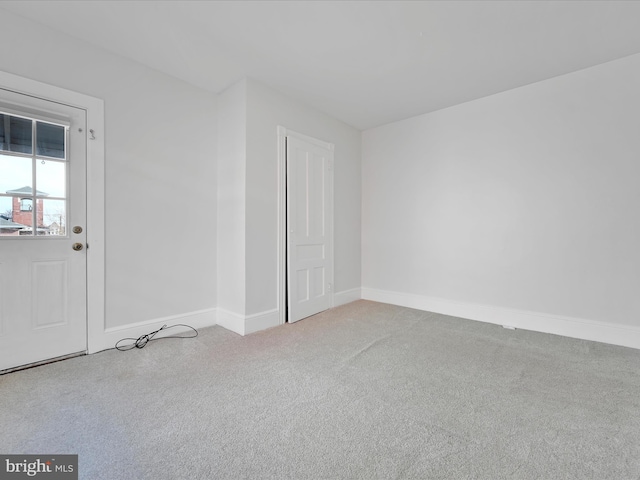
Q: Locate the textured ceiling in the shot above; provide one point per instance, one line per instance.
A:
(366, 63)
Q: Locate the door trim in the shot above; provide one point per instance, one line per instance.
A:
(94, 108)
(283, 133)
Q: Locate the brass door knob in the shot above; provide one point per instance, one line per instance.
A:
(77, 247)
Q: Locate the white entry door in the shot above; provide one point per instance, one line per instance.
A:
(309, 228)
(42, 230)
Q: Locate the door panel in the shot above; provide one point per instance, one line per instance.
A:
(42, 196)
(309, 227)
(49, 296)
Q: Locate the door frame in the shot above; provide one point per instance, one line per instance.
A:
(283, 133)
(95, 226)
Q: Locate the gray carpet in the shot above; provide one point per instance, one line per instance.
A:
(363, 391)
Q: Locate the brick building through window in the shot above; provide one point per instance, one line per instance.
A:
(22, 208)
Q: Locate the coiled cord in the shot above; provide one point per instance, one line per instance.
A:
(142, 340)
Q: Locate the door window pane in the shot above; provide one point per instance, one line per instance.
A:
(15, 134)
(50, 140)
(53, 220)
(15, 174)
(15, 182)
(51, 178)
(9, 227)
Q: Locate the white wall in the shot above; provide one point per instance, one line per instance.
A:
(266, 110)
(160, 171)
(526, 201)
(232, 131)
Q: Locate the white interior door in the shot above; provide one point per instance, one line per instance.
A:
(309, 228)
(42, 217)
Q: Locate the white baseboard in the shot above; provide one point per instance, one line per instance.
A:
(109, 337)
(616, 334)
(244, 325)
(346, 296)
(261, 321)
(230, 321)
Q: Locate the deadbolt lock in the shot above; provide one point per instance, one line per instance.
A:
(77, 247)
(77, 229)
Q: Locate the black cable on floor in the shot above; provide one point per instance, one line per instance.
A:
(142, 340)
